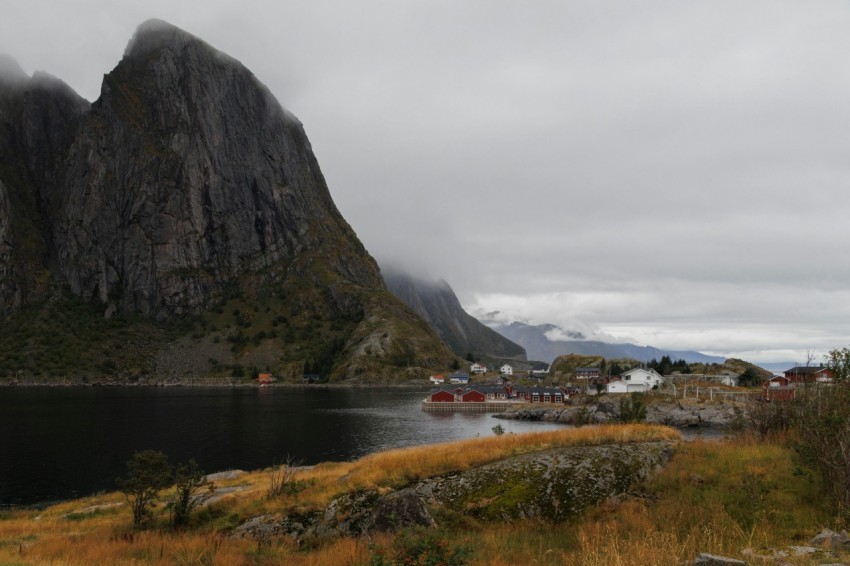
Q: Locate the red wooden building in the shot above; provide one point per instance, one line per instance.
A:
(442, 396)
(806, 374)
(472, 396)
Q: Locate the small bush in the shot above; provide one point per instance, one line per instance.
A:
(633, 408)
(420, 547)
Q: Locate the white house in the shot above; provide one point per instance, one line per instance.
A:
(506, 369)
(437, 379)
(637, 379)
(477, 368)
(540, 370)
(458, 377)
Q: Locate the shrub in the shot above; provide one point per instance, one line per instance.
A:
(633, 408)
(189, 485)
(822, 422)
(148, 472)
(282, 479)
(420, 547)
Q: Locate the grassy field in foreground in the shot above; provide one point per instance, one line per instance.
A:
(713, 497)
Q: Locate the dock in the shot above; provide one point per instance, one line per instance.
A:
(468, 407)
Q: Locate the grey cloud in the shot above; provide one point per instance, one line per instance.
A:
(671, 157)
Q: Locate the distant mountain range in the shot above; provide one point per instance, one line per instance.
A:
(539, 347)
(437, 304)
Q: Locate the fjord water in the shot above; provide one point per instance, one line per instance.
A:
(64, 442)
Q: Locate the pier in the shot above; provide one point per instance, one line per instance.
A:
(467, 407)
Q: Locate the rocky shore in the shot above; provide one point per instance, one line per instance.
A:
(606, 409)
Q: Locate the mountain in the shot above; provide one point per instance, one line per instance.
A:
(436, 302)
(187, 204)
(539, 347)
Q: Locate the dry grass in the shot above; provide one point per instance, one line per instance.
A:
(718, 497)
(395, 468)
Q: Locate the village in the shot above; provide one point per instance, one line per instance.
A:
(458, 391)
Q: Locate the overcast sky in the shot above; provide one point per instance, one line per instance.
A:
(675, 173)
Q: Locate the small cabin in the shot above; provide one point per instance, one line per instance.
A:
(587, 373)
(265, 379)
(810, 374)
(442, 396)
(472, 396)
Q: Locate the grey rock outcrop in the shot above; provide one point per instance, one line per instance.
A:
(551, 485)
(554, 484)
(830, 539)
(607, 409)
(705, 559)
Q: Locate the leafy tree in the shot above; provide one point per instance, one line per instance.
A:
(839, 362)
(192, 488)
(750, 378)
(148, 472)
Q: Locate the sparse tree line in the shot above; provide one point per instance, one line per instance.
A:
(149, 473)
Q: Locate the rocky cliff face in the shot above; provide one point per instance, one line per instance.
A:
(37, 119)
(436, 302)
(214, 179)
(183, 185)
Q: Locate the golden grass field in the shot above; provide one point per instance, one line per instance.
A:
(719, 497)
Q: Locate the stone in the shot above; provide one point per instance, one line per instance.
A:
(830, 539)
(705, 559)
(553, 484)
(401, 509)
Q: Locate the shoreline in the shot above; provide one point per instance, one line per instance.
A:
(212, 382)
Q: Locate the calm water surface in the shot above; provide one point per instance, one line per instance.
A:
(62, 442)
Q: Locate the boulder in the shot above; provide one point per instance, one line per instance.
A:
(705, 559)
(400, 509)
(830, 539)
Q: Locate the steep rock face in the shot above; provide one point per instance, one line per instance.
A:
(10, 293)
(437, 303)
(211, 178)
(37, 119)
